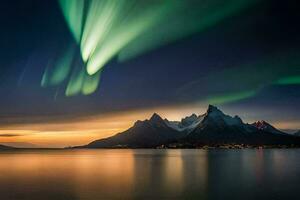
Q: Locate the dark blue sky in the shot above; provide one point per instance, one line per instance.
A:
(245, 52)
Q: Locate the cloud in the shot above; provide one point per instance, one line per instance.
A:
(10, 135)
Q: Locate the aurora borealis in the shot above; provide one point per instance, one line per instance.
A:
(125, 29)
(81, 58)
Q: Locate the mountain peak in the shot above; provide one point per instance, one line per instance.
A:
(215, 116)
(156, 119)
(261, 124)
(192, 117)
(265, 126)
(214, 110)
(211, 107)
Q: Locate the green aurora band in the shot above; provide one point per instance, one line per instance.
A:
(58, 71)
(231, 97)
(291, 80)
(124, 29)
(242, 82)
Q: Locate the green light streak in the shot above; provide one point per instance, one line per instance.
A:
(73, 13)
(241, 82)
(90, 84)
(55, 74)
(120, 37)
(182, 22)
(75, 83)
(291, 80)
(82, 83)
(128, 28)
(232, 97)
(100, 19)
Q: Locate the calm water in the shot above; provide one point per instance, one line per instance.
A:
(150, 174)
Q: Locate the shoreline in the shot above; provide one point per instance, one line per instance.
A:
(157, 148)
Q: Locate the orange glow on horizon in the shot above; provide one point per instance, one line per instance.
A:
(83, 130)
(63, 132)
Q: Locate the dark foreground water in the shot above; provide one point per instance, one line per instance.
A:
(150, 174)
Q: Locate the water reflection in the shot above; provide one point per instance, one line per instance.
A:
(173, 171)
(140, 174)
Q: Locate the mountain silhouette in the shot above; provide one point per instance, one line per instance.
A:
(4, 147)
(218, 128)
(213, 128)
(144, 134)
(263, 125)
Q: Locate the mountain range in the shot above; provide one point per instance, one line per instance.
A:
(214, 128)
(23, 145)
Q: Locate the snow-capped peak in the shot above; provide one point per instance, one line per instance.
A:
(214, 110)
(213, 115)
(261, 124)
(216, 115)
(265, 126)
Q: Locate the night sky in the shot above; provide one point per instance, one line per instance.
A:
(248, 64)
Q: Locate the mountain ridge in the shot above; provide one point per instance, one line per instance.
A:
(213, 128)
(5, 147)
(143, 134)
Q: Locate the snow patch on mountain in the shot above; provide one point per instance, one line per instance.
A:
(212, 117)
(217, 116)
(262, 125)
(186, 124)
